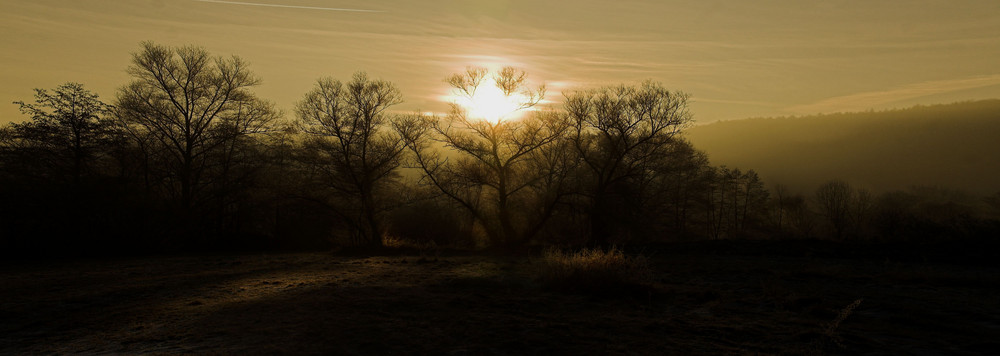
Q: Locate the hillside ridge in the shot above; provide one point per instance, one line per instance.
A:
(953, 145)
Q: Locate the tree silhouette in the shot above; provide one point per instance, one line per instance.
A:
(679, 182)
(835, 199)
(737, 200)
(781, 204)
(68, 133)
(507, 174)
(353, 147)
(618, 133)
(861, 208)
(190, 112)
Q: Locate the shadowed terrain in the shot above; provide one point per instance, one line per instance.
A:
(707, 299)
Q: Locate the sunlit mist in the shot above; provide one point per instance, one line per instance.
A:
(490, 103)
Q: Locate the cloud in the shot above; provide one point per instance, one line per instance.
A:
(734, 102)
(287, 6)
(874, 99)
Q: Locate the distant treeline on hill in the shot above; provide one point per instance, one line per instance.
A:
(953, 145)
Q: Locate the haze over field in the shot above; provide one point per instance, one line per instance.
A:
(766, 58)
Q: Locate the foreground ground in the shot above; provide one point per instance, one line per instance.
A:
(704, 302)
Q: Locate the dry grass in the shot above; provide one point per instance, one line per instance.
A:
(594, 271)
(423, 247)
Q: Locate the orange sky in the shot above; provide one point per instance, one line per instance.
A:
(736, 58)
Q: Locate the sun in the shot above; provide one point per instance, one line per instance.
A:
(491, 104)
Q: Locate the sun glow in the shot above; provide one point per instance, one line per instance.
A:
(491, 104)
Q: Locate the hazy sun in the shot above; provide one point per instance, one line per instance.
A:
(489, 103)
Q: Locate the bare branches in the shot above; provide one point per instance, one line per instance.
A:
(68, 130)
(469, 81)
(493, 171)
(191, 105)
(618, 128)
(618, 132)
(509, 80)
(354, 142)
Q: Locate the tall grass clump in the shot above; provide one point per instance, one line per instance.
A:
(594, 271)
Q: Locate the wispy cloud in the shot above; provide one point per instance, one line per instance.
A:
(288, 6)
(875, 99)
(734, 102)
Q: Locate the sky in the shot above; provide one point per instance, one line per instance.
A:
(736, 59)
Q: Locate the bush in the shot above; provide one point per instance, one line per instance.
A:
(594, 271)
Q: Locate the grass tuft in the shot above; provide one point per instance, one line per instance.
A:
(594, 271)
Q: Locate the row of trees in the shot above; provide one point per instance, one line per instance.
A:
(917, 214)
(188, 157)
(165, 165)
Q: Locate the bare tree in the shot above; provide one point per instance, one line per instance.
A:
(68, 131)
(507, 174)
(861, 211)
(755, 198)
(619, 132)
(683, 177)
(801, 219)
(730, 197)
(189, 112)
(353, 147)
(668, 194)
(778, 210)
(835, 199)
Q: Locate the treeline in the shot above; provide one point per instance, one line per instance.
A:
(841, 212)
(187, 158)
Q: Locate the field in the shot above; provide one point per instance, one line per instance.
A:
(745, 298)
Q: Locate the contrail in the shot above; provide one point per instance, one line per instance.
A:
(288, 6)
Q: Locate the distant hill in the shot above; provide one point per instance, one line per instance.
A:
(953, 145)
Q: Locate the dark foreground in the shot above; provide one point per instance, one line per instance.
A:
(705, 302)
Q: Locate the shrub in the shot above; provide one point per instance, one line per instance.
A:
(594, 271)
